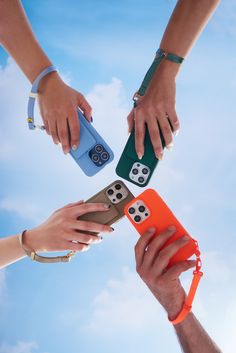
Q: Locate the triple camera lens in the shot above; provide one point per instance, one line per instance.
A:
(98, 148)
(95, 158)
(141, 208)
(137, 218)
(131, 210)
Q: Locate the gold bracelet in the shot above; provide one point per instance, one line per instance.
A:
(44, 259)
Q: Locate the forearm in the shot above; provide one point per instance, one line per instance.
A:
(10, 250)
(18, 39)
(193, 338)
(186, 23)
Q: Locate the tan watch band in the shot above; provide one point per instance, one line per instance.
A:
(44, 259)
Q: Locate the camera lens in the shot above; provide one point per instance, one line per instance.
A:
(135, 171)
(98, 148)
(141, 208)
(141, 180)
(131, 210)
(119, 196)
(145, 171)
(105, 156)
(95, 158)
(118, 186)
(110, 192)
(137, 218)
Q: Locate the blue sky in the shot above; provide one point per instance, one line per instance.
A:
(97, 303)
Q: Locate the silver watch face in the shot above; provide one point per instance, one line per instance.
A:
(139, 173)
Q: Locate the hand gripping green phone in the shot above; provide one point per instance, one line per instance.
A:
(129, 167)
(137, 171)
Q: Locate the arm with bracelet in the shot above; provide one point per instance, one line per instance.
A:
(156, 109)
(57, 101)
(152, 259)
(64, 230)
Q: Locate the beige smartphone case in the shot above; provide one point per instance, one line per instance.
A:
(117, 205)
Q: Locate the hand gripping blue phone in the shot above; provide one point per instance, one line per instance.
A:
(92, 154)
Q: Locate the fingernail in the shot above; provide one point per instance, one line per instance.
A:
(185, 238)
(140, 156)
(152, 230)
(107, 206)
(170, 146)
(176, 133)
(74, 147)
(172, 228)
(159, 156)
(85, 248)
(98, 240)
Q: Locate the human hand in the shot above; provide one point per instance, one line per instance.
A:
(63, 229)
(156, 109)
(58, 105)
(151, 264)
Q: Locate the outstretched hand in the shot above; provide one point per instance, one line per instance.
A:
(63, 230)
(156, 109)
(151, 264)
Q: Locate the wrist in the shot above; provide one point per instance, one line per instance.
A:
(38, 68)
(46, 81)
(31, 240)
(169, 69)
(173, 303)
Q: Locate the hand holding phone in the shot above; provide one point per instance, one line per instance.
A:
(117, 195)
(147, 211)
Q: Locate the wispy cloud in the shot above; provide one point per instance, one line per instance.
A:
(19, 347)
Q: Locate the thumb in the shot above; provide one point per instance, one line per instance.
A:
(84, 106)
(175, 271)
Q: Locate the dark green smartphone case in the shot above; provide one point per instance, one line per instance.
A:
(129, 157)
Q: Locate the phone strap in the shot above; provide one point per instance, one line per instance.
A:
(33, 95)
(197, 274)
(160, 55)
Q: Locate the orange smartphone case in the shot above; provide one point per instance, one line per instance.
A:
(161, 217)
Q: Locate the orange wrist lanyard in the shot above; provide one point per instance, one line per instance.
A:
(197, 274)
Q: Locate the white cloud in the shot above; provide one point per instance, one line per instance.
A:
(22, 207)
(125, 305)
(19, 347)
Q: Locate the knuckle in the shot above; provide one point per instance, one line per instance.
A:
(139, 134)
(162, 255)
(63, 134)
(166, 129)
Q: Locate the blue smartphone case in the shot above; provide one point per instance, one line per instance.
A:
(93, 153)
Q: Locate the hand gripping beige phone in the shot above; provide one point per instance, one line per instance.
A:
(117, 195)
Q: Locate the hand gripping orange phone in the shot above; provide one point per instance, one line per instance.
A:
(148, 210)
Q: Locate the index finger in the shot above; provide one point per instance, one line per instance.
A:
(80, 210)
(141, 246)
(85, 107)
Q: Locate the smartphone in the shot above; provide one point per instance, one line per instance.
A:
(149, 210)
(93, 153)
(137, 171)
(117, 195)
